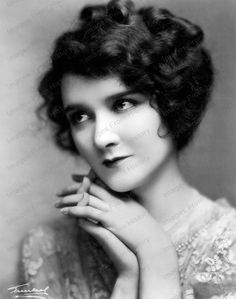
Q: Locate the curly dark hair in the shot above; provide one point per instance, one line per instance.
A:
(149, 49)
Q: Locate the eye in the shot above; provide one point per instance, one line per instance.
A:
(124, 104)
(77, 118)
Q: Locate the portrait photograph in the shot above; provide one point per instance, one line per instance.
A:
(118, 149)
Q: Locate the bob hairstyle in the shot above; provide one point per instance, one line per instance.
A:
(150, 50)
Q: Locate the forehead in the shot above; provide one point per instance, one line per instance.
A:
(78, 89)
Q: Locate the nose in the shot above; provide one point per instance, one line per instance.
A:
(104, 135)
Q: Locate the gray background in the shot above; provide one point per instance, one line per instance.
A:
(32, 170)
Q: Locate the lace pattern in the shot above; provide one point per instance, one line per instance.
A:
(208, 263)
(74, 265)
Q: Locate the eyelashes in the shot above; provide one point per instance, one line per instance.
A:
(78, 118)
(127, 107)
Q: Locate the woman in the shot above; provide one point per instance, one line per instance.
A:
(132, 86)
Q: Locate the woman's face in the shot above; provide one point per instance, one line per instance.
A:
(109, 120)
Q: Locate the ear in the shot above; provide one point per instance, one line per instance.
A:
(162, 131)
(153, 102)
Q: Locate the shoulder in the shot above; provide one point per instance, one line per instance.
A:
(66, 257)
(48, 239)
(47, 248)
(212, 267)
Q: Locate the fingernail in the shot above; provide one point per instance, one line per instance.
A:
(77, 177)
(57, 204)
(92, 220)
(64, 211)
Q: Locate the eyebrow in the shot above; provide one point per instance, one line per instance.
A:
(73, 107)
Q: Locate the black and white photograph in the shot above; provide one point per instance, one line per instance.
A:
(118, 149)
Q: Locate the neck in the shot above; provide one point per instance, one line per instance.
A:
(166, 192)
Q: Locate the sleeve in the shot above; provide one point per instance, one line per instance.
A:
(215, 277)
(50, 257)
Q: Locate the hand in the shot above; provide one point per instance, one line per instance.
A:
(78, 188)
(124, 259)
(120, 214)
(146, 257)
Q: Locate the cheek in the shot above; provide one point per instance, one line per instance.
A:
(142, 138)
(140, 128)
(83, 144)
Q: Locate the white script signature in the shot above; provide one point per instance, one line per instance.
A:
(33, 293)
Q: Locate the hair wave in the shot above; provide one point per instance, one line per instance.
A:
(149, 49)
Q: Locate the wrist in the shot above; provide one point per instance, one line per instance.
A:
(159, 278)
(129, 276)
(154, 240)
(126, 286)
(153, 258)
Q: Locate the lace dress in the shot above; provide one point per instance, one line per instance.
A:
(74, 265)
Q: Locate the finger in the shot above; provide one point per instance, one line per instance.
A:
(82, 200)
(77, 177)
(97, 203)
(69, 190)
(69, 200)
(85, 185)
(92, 175)
(99, 182)
(77, 187)
(98, 191)
(81, 187)
(102, 193)
(94, 202)
(84, 212)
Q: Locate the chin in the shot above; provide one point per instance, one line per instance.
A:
(119, 188)
(125, 184)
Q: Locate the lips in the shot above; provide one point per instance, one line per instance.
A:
(110, 162)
